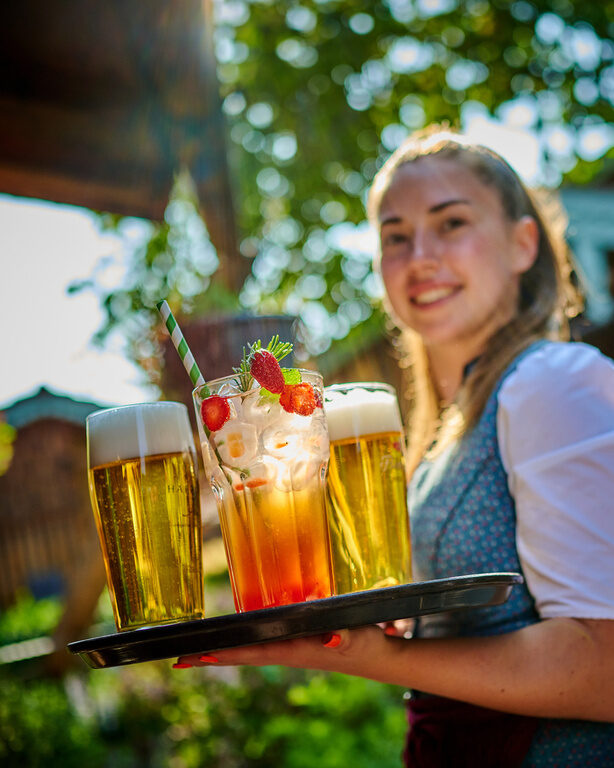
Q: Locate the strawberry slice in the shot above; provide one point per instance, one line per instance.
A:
(298, 398)
(215, 411)
(267, 371)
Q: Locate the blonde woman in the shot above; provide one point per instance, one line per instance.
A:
(513, 439)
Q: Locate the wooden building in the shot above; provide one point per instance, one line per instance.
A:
(48, 540)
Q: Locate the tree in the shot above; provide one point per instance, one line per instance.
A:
(318, 93)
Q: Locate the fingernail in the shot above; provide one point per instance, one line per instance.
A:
(209, 659)
(181, 665)
(331, 640)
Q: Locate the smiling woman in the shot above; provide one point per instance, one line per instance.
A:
(511, 425)
(473, 270)
(433, 263)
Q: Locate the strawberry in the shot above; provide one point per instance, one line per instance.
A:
(285, 399)
(303, 399)
(298, 398)
(318, 397)
(215, 411)
(267, 371)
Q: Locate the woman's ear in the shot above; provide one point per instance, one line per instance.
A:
(526, 244)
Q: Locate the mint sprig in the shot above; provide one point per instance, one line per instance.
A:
(279, 349)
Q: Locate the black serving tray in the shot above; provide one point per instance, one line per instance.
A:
(297, 620)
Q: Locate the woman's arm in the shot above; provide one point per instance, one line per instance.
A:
(555, 668)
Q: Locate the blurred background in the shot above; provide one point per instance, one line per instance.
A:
(217, 154)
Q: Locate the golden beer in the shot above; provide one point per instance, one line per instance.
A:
(147, 509)
(366, 488)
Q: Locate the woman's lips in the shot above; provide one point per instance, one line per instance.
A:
(424, 297)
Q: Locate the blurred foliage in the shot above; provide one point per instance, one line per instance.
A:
(317, 94)
(28, 618)
(7, 438)
(151, 716)
(39, 728)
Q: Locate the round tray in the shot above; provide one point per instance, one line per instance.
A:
(357, 609)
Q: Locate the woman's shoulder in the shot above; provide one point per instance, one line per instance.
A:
(570, 357)
(559, 391)
(558, 366)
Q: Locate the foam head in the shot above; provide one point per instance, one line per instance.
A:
(131, 431)
(358, 411)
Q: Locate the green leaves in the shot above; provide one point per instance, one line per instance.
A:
(315, 97)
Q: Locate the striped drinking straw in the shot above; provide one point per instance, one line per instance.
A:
(187, 358)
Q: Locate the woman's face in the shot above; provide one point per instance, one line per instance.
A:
(450, 259)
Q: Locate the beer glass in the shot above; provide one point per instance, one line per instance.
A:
(366, 488)
(267, 469)
(144, 491)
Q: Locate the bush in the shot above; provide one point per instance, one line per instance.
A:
(151, 716)
(39, 728)
(223, 718)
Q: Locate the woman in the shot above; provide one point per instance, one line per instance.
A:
(515, 432)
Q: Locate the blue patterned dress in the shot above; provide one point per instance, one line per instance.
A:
(463, 521)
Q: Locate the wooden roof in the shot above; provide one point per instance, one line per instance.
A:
(101, 103)
(45, 404)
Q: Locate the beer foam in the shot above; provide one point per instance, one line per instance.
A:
(361, 412)
(144, 429)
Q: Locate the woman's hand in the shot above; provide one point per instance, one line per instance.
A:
(362, 652)
(554, 668)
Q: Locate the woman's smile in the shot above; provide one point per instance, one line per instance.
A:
(427, 295)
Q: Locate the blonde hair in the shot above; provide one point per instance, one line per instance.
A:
(547, 298)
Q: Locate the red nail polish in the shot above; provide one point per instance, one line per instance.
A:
(331, 640)
(181, 665)
(209, 659)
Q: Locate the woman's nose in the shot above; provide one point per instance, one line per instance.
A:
(423, 249)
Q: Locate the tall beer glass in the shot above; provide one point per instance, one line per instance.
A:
(266, 468)
(144, 492)
(366, 488)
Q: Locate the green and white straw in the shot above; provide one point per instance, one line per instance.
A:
(181, 345)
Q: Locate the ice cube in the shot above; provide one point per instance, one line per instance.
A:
(296, 474)
(259, 410)
(280, 442)
(237, 443)
(228, 388)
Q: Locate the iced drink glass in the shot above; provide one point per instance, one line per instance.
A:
(366, 488)
(144, 490)
(267, 471)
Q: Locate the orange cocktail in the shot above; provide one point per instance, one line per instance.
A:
(265, 457)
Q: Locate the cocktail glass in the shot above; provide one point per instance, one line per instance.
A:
(267, 471)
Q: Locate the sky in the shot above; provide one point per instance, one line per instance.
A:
(46, 338)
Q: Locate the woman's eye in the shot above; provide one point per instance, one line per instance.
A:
(452, 223)
(393, 238)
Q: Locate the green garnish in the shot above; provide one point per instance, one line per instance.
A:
(279, 350)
